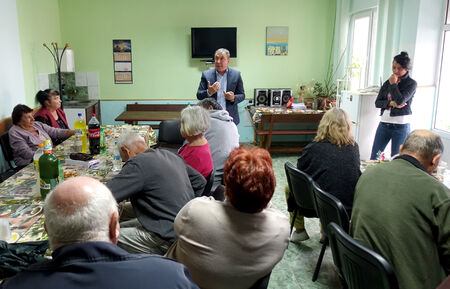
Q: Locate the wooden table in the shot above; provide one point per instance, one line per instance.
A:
(265, 125)
(135, 113)
(134, 117)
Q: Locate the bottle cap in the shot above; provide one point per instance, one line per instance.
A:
(41, 145)
(93, 114)
(79, 114)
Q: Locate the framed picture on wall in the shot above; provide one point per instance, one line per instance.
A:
(123, 72)
(277, 40)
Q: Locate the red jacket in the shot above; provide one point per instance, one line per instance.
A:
(46, 114)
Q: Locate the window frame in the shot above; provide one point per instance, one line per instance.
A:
(444, 43)
(371, 13)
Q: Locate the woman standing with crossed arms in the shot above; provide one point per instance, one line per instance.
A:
(394, 99)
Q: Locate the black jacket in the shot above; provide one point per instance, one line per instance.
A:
(400, 93)
(335, 169)
(101, 265)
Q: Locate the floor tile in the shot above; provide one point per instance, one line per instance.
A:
(296, 268)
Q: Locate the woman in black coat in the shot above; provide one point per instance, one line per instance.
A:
(332, 160)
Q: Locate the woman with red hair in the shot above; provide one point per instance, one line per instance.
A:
(234, 243)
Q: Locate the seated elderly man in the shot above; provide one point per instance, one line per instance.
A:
(222, 136)
(234, 243)
(403, 212)
(81, 220)
(159, 183)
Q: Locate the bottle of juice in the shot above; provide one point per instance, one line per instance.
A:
(80, 129)
(49, 169)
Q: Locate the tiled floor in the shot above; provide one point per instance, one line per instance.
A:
(296, 268)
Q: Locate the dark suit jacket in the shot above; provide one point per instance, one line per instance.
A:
(234, 84)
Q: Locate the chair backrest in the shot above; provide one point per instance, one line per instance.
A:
(219, 193)
(209, 183)
(300, 185)
(6, 149)
(262, 283)
(360, 267)
(330, 209)
(169, 132)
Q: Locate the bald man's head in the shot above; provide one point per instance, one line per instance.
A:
(424, 145)
(80, 209)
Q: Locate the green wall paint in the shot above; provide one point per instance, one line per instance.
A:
(160, 36)
(38, 23)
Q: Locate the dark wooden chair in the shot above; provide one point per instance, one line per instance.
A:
(262, 283)
(329, 209)
(8, 156)
(7, 150)
(301, 190)
(360, 267)
(209, 183)
(169, 136)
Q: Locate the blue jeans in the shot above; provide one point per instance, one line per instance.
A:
(389, 131)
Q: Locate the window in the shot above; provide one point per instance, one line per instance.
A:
(361, 43)
(442, 117)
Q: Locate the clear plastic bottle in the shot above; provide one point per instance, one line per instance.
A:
(80, 129)
(37, 154)
(78, 146)
(117, 160)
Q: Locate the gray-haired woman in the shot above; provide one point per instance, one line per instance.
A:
(194, 123)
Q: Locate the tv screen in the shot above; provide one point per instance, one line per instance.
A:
(205, 41)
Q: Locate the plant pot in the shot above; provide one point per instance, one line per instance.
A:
(325, 103)
(310, 102)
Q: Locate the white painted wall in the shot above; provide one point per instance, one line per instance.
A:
(12, 89)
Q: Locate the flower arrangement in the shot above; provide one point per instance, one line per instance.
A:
(57, 57)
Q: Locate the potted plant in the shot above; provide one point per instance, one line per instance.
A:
(325, 94)
(306, 94)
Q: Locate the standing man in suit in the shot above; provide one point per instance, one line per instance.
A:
(223, 83)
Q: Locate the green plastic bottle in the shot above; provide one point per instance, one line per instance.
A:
(102, 141)
(49, 169)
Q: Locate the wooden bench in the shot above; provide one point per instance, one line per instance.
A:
(265, 128)
(136, 112)
(5, 124)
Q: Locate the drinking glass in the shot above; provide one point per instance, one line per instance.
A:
(5, 231)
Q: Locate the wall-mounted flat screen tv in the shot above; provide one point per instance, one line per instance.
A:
(206, 40)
